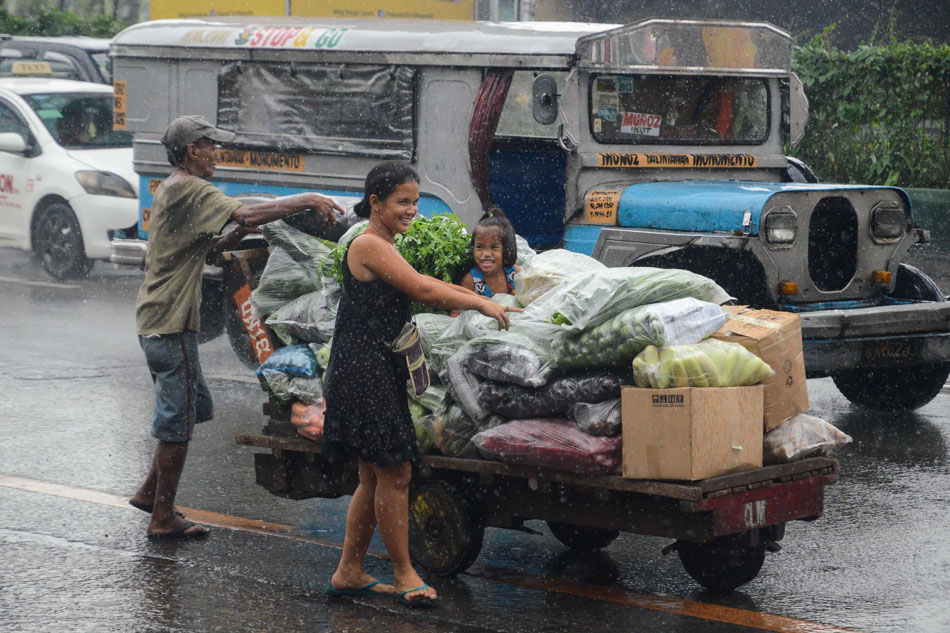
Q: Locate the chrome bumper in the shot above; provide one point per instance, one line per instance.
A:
(128, 252)
(901, 335)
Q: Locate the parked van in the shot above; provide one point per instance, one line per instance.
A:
(659, 143)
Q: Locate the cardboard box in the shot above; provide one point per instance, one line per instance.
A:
(691, 433)
(776, 338)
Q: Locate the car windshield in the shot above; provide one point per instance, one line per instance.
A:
(80, 120)
(677, 110)
(104, 64)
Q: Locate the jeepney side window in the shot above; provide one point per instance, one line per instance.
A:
(517, 117)
(349, 109)
(678, 110)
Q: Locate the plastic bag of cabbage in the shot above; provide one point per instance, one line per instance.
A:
(617, 341)
(309, 318)
(709, 363)
(586, 300)
(283, 280)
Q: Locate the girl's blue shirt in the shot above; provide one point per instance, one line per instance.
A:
(482, 288)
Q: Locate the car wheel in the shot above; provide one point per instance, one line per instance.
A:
(57, 242)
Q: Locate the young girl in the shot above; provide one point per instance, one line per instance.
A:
(493, 251)
(367, 417)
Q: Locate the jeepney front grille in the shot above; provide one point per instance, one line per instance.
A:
(832, 244)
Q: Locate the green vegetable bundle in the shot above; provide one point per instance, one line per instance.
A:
(709, 363)
(615, 342)
(436, 246)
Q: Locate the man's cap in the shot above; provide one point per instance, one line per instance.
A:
(190, 128)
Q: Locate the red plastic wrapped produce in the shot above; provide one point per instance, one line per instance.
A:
(550, 443)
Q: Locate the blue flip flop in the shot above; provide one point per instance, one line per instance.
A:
(425, 601)
(365, 590)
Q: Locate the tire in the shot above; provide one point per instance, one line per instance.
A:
(58, 243)
(892, 388)
(722, 565)
(239, 339)
(582, 538)
(445, 531)
(898, 388)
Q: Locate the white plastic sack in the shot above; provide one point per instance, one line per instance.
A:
(586, 300)
(283, 280)
(547, 270)
(310, 318)
(802, 436)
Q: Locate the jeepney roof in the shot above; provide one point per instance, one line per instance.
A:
(363, 35)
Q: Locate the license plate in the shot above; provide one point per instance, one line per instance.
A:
(891, 351)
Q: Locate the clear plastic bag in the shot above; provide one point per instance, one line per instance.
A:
(312, 252)
(709, 363)
(508, 356)
(525, 252)
(287, 388)
(616, 342)
(550, 443)
(593, 297)
(310, 318)
(452, 432)
(802, 436)
(308, 418)
(552, 400)
(546, 270)
(599, 418)
(294, 360)
(282, 280)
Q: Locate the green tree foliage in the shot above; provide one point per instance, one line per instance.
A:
(878, 115)
(49, 22)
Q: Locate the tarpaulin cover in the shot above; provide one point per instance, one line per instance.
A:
(364, 110)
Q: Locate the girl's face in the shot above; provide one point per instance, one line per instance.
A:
(488, 251)
(398, 209)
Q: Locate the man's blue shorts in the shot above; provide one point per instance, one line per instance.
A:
(182, 398)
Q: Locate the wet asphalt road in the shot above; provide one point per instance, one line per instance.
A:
(74, 443)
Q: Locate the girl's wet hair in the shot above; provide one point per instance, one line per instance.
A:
(495, 218)
(381, 181)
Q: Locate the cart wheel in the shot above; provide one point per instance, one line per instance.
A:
(723, 564)
(445, 531)
(582, 538)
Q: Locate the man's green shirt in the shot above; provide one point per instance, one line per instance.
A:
(184, 220)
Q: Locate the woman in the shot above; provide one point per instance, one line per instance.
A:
(367, 415)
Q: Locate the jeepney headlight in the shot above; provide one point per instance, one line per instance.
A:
(104, 183)
(888, 221)
(780, 226)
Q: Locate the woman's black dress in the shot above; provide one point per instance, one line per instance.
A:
(367, 413)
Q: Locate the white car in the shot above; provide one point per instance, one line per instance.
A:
(66, 178)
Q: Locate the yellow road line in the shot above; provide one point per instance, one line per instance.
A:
(676, 606)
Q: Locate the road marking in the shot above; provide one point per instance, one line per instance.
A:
(42, 284)
(675, 606)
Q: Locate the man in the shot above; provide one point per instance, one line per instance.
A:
(187, 214)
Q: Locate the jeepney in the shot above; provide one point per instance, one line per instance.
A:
(658, 143)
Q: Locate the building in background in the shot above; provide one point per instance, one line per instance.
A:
(503, 10)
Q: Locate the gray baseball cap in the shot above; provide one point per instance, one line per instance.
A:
(190, 128)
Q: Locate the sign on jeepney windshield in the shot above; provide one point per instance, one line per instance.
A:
(274, 161)
(690, 161)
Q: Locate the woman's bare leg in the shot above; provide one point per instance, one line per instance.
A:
(392, 512)
(360, 525)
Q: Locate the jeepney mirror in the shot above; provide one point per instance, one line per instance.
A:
(544, 93)
(797, 110)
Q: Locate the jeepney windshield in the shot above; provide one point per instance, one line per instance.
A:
(678, 110)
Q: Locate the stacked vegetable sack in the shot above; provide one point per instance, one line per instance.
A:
(547, 391)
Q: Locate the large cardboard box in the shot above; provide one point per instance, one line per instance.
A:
(776, 338)
(691, 433)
